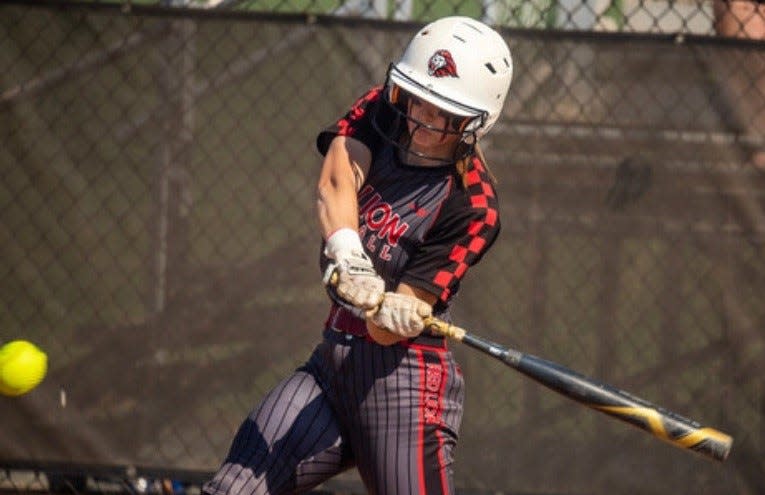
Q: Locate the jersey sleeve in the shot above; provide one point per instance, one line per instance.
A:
(356, 123)
(466, 228)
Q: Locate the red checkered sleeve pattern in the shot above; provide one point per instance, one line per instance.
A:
(356, 123)
(466, 228)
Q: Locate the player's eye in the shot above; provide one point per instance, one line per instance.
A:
(416, 102)
(453, 122)
(456, 122)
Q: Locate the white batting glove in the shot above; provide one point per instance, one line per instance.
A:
(402, 314)
(357, 282)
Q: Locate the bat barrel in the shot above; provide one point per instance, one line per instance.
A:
(665, 425)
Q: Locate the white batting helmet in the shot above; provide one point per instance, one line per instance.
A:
(460, 65)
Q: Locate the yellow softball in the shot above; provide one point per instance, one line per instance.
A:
(22, 367)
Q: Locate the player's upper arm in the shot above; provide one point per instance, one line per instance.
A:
(342, 174)
(347, 159)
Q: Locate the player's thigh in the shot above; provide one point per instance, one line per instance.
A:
(289, 443)
(410, 421)
(420, 463)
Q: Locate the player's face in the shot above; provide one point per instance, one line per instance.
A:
(427, 128)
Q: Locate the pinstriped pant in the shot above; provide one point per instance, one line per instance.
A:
(393, 412)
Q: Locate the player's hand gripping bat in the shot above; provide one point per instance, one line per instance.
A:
(666, 425)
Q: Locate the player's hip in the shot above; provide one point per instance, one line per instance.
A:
(397, 384)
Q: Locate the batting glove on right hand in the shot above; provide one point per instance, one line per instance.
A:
(401, 314)
(350, 273)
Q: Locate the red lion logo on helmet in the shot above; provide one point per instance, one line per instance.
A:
(441, 64)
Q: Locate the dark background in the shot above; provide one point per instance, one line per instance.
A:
(158, 241)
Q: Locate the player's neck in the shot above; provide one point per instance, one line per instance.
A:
(410, 158)
(426, 158)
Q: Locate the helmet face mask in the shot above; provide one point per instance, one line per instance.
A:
(475, 116)
(398, 102)
(459, 65)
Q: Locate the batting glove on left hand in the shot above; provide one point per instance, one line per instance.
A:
(350, 275)
(353, 278)
(401, 314)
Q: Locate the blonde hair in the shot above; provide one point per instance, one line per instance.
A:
(464, 164)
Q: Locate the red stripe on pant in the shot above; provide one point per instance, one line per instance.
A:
(433, 376)
(441, 461)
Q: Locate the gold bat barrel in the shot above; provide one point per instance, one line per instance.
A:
(670, 427)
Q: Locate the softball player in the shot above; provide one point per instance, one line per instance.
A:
(406, 206)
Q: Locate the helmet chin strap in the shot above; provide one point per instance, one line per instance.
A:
(462, 149)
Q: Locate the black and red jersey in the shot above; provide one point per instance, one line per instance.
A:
(424, 226)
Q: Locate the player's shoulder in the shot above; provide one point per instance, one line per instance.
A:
(477, 186)
(372, 95)
(355, 123)
(360, 109)
(472, 205)
(474, 196)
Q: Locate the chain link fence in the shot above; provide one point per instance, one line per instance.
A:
(157, 173)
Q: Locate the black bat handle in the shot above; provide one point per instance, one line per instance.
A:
(510, 357)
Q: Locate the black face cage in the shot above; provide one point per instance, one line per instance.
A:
(390, 120)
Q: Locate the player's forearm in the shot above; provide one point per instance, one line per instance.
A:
(336, 208)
